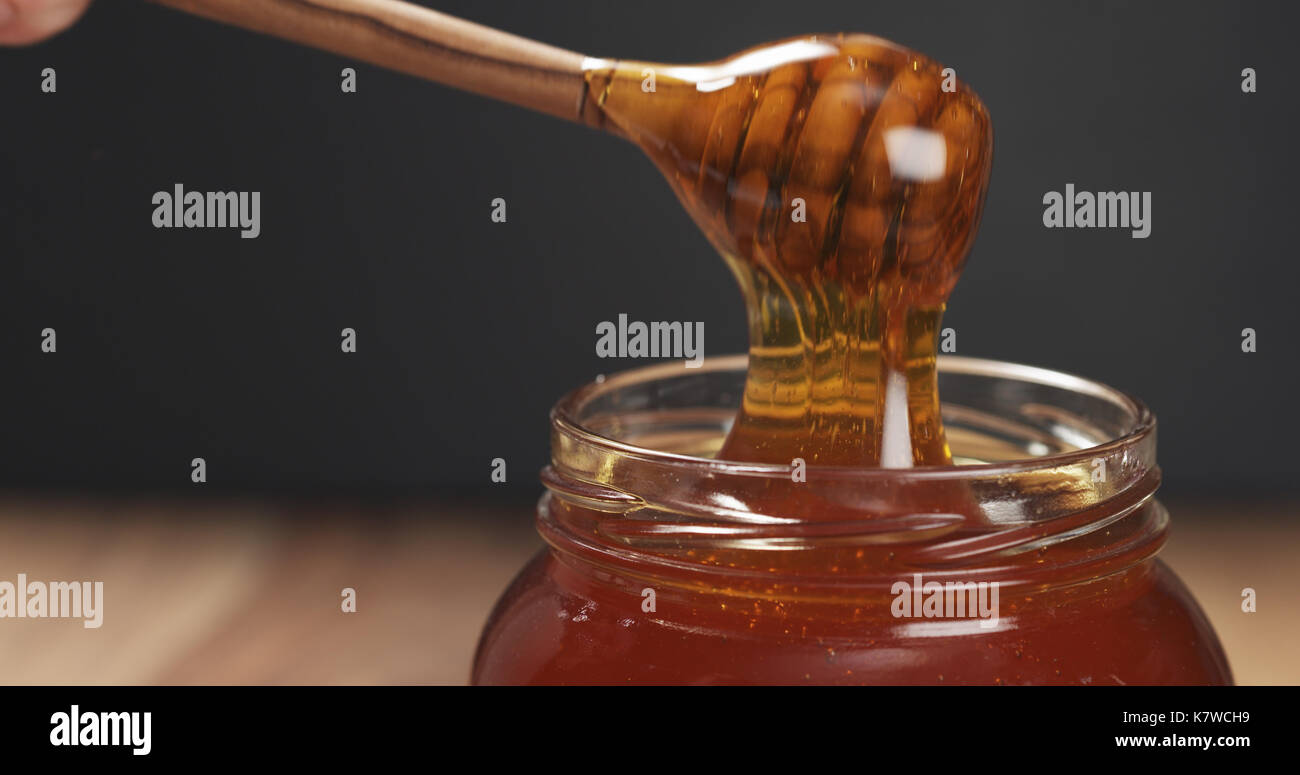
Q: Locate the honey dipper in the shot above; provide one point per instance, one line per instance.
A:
(841, 177)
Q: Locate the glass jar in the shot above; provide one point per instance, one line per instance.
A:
(1031, 560)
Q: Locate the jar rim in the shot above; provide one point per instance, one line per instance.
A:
(1140, 428)
(1048, 519)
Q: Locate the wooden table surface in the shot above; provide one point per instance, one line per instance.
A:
(248, 591)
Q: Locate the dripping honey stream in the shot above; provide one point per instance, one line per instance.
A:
(842, 183)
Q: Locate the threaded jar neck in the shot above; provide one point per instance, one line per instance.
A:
(1053, 485)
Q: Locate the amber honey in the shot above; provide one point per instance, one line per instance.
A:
(842, 179)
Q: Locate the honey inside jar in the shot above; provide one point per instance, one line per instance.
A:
(842, 179)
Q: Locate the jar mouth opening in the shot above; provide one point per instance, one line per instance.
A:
(1077, 434)
(632, 483)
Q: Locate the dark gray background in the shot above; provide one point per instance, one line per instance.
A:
(182, 343)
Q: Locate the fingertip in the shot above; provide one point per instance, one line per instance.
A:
(23, 22)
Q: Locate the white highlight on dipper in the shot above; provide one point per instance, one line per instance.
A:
(916, 154)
